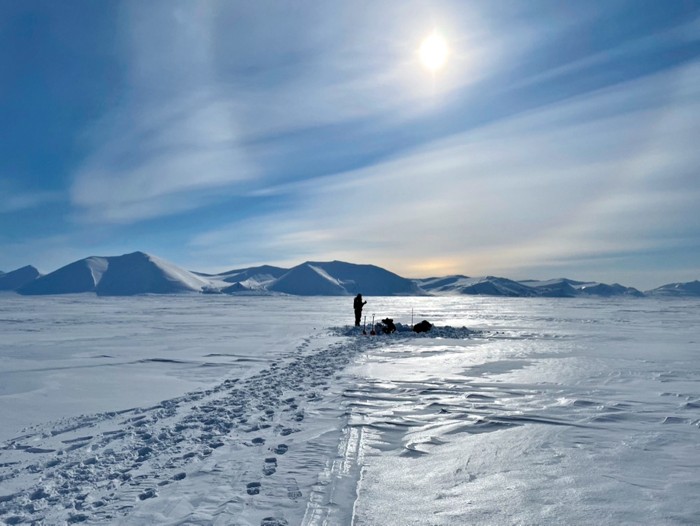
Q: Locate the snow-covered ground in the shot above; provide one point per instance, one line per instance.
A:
(194, 409)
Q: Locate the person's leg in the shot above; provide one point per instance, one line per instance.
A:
(358, 315)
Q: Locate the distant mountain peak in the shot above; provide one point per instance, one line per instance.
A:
(143, 273)
(687, 289)
(129, 274)
(17, 279)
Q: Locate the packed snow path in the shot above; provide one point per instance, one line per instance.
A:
(98, 467)
(102, 467)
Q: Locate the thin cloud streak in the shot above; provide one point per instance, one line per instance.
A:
(182, 139)
(15, 200)
(566, 182)
(174, 144)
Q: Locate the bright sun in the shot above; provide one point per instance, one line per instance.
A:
(433, 52)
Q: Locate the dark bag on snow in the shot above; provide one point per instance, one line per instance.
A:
(423, 326)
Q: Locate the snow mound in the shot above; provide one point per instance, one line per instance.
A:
(406, 331)
(126, 275)
(18, 278)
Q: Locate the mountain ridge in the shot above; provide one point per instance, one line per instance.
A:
(125, 275)
(141, 273)
(18, 278)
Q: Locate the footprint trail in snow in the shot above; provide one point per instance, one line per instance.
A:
(248, 437)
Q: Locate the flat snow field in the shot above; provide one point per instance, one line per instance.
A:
(196, 409)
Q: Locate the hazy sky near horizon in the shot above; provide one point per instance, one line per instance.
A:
(559, 139)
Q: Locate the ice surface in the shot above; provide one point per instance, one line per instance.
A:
(249, 410)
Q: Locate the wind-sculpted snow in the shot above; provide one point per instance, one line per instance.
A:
(506, 428)
(507, 412)
(101, 468)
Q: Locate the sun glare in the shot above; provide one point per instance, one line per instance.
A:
(433, 52)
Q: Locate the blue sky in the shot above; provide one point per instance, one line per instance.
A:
(560, 139)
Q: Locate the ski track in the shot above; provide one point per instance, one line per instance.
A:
(100, 468)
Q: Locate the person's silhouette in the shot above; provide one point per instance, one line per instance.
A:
(358, 304)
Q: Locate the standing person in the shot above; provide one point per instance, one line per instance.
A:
(358, 304)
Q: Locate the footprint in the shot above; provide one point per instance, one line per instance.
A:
(259, 441)
(293, 491)
(270, 466)
(281, 449)
(253, 488)
(148, 494)
(272, 521)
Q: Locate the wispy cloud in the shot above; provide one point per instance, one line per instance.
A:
(208, 81)
(173, 144)
(608, 173)
(14, 199)
(224, 98)
(159, 162)
(636, 48)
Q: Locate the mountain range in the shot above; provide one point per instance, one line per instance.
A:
(141, 273)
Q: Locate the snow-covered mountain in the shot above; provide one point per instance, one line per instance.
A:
(18, 278)
(483, 286)
(691, 288)
(141, 273)
(443, 284)
(498, 286)
(130, 274)
(555, 288)
(563, 287)
(261, 274)
(246, 279)
(337, 278)
(603, 289)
